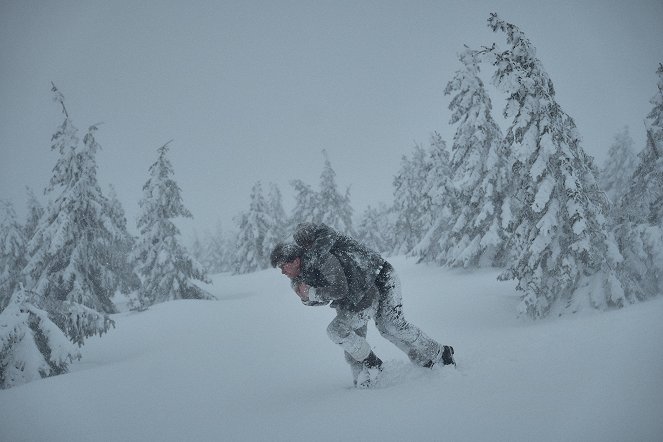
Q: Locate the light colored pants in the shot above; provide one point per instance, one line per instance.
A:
(348, 329)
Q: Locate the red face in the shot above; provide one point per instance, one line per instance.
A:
(291, 269)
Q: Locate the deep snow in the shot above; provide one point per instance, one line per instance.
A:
(257, 365)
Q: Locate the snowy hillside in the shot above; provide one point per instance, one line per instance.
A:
(257, 365)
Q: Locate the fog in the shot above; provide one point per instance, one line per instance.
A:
(254, 90)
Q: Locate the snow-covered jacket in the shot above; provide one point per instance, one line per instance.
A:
(329, 258)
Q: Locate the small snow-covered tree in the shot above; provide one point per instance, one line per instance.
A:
(479, 172)
(12, 252)
(615, 176)
(276, 231)
(411, 201)
(326, 205)
(639, 228)
(199, 252)
(124, 277)
(437, 205)
(306, 201)
(218, 250)
(166, 268)
(332, 208)
(565, 255)
(375, 228)
(252, 252)
(31, 345)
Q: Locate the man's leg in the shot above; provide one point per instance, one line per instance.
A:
(348, 330)
(391, 322)
(355, 365)
(343, 332)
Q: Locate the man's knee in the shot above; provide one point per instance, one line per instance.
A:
(396, 327)
(338, 331)
(390, 320)
(388, 326)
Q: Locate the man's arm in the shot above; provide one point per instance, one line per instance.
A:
(337, 287)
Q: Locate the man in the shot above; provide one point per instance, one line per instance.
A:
(325, 266)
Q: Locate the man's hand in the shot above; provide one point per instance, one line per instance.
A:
(302, 291)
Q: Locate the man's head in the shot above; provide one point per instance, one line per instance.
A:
(287, 257)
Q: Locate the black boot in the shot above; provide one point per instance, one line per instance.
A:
(371, 369)
(448, 355)
(372, 361)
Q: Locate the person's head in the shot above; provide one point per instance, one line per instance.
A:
(287, 257)
(305, 234)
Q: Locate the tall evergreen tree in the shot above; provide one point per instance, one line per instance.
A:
(639, 216)
(67, 268)
(619, 166)
(479, 172)
(167, 270)
(566, 257)
(252, 252)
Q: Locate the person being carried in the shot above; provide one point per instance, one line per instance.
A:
(325, 267)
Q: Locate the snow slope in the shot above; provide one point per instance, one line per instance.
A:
(257, 365)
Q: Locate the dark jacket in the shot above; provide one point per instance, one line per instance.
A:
(360, 265)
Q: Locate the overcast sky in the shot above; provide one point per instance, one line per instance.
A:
(254, 90)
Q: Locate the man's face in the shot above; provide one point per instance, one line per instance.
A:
(291, 269)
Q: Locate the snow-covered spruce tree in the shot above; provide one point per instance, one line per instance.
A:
(306, 201)
(333, 209)
(199, 252)
(324, 206)
(218, 251)
(70, 249)
(617, 171)
(410, 201)
(167, 270)
(375, 228)
(639, 214)
(479, 172)
(437, 206)
(31, 345)
(67, 266)
(125, 278)
(252, 253)
(277, 218)
(12, 252)
(566, 257)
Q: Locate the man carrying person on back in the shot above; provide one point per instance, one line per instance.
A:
(325, 266)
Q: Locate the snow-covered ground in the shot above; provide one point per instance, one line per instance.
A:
(257, 365)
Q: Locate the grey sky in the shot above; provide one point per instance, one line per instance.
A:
(254, 90)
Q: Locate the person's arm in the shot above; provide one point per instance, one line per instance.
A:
(336, 287)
